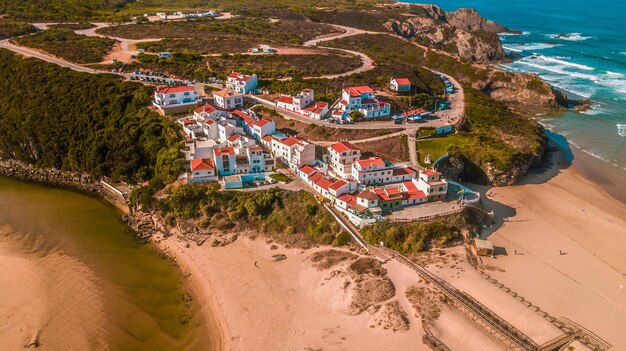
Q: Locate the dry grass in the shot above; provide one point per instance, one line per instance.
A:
(426, 302)
(326, 259)
(391, 317)
(393, 149)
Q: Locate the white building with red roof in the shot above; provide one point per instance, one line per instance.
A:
(294, 152)
(432, 184)
(363, 99)
(175, 99)
(242, 83)
(261, 127)
(341, 156)
(227, 99)
(304, 104)
(209, 112)
(202, 170)
(400, 85)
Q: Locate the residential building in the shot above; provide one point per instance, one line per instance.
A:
(242, 83)
(208, 112)
(363, 99)
(432, 184)
(175, 99)
(227, 99)
(262, 127)
(303, 103)
(294, 152)
(202, 170)
(400, 85)
(341, 156)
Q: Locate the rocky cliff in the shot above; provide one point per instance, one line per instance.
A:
(524, 93)
(463, 32)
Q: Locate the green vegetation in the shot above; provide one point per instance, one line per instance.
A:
(260, 31)
(68, 45)
(537, 86)
(411, 237)
(290, 216)
(279, 177)
(55, 117)
(73, 25)
(14, 29)
(437, 147)
(426, 132)
(414, 237)
(62, 10)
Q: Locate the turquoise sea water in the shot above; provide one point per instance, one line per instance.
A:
(590, 63)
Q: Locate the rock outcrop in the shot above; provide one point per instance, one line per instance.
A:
(463, 32)
(525, 92)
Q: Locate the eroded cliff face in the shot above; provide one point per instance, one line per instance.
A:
(463, 32)
(524, 93)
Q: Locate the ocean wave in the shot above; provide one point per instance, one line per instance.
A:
(569, 36)
(529, 47)
(614, 74)
(563, 62)
(509, 34)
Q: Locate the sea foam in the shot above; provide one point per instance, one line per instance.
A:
(569, 37)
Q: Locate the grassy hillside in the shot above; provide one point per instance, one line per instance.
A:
(55, 117)
(290, 217)
(66, 44)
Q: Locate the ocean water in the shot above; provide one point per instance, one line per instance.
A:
(588, 63)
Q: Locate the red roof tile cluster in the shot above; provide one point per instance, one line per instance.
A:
(403, 171)
(430, 172)
(358, 91)
(307, 170)
(206, 108)
(172, 90)
(239, 76)
(338, 184)
(202, 164)
(290, 141)
(367, 195)
(220, 151)
(371, 162)
(285, 99)
(343, 146)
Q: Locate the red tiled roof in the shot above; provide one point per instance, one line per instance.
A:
(338, 184)
(170, 90)
(413, 112)
(224, 151)
(367, 195)
(343, 146)
(402, 81)
(260, 122)
(209, 122)
(268, 138)
(346, 198)
(357, 91)
(403, 171)
(291, 141)
(239, 76)
(202, 164)
(242, 115)
(315, 177)
(429, 172)
(256, 148)
(324, 183)
(285, 99)
(206, 108)
(226, 93)
(307, 170)
(234, 137)
(371, 162)
(418, 194)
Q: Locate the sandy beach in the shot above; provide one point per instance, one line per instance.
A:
(44, 296)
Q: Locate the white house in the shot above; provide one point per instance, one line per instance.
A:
(303, 103)
(294, 152)
(341, 157)
(208, 112)
(373, 170)
(227, 99)
(202, 170)
(400, 85)
(242, 83)
(262, 127)
(431, 183)
(175, 99)
(363, 99)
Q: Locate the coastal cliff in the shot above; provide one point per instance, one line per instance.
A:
(463, 33)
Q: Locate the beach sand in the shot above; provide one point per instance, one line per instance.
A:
(45, 295)
(562, 241)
